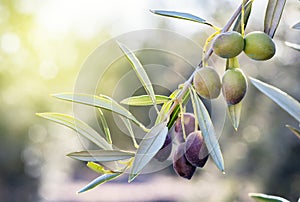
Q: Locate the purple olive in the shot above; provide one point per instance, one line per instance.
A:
(189, 126)
(181, 165)
(165, 151)
(195, 149)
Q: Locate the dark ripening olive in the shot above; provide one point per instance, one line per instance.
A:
(259, 46)
(234, 86)
(189, 126)
(207, 83)
(165, 151)
(181, 165)
(228, 44)
(195, 149)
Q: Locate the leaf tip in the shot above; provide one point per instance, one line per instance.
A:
(38, 114)
(124, 101)
(132, 177)
(55, 95)
(80, 191)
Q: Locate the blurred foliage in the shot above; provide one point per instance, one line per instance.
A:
(34, 64)
(263, 156)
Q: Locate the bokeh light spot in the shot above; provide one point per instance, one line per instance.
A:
(251, 133)
(37, 133)
(10, 43)
(48, 69)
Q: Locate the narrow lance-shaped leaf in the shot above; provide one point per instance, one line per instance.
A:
(100, 101)
(235, 114)
(101, 155)
(296, 26)
(273, 15)
(180, 15)
(105, 126)
(176, 111)
(208, 131)
(266, 198)
(237, 25)
(98, 168)
(163, 113)
(144, 100)
(149, 146)
(140, 72)
(293, 45)
(79, 126)
(281, 98)
(165, 107)
(294, 130)
(130, 130)
(98, 181)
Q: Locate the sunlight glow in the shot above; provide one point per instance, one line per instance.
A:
(48, 69)
(10, 42)
(87, 17)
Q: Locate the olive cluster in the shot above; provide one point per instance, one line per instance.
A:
(256, 45)
(191, 151)
(208, 85)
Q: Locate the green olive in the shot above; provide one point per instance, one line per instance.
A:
(207, 83)
(234, 86)
(228, 44)
(259, 46)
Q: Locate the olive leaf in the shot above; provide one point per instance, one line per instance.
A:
(130, 130)
(101, 101)
(163, 113)
(266, 198)
(99, 180)
(98, 168)
(79, 126)
(175, 113)
(140, 72)
(180, 15)
(293, 45)
(166, 106)
(273, 15)
(235, 114)
(237, 25)
(101, 155)
(105, 126)
(144, 100)
(208, 130)
(148, 147)
(296, 26)
(281, 98)
(294, 130)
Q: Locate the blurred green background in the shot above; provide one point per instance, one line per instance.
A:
(43, 45)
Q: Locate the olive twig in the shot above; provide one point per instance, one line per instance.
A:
(207, 55)
(208, 40)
